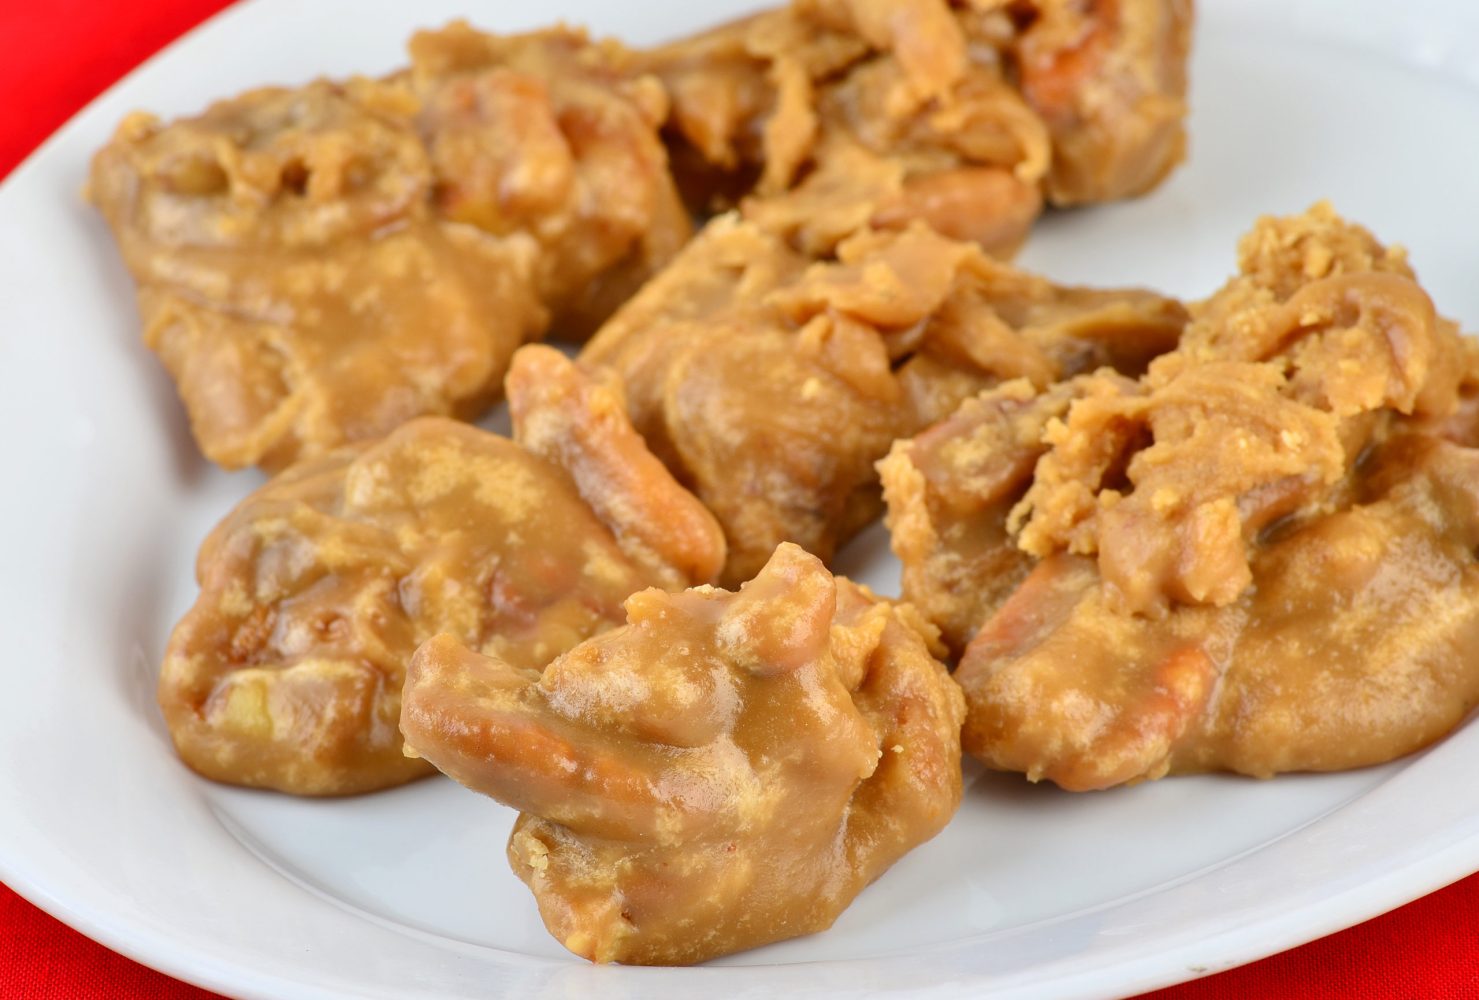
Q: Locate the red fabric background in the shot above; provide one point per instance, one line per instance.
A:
(54, 58)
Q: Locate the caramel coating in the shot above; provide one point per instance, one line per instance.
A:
(836, 114)
(316, 589)
(1278, 383)
(1257, 557)
(554, 135)
(726, 770)
(770, 383)
(1355, 647)
(317, 266)
(839, 115)
(1108, 77)
(293, 279)
(1271, 399)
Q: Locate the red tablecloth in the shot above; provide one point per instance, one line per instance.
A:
(56, 56)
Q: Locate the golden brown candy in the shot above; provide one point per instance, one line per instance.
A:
(1354, 647)
(726, 770)
(1257, 557)
(319, 265)
(293, 279)
(317, 588)
(1276, 390)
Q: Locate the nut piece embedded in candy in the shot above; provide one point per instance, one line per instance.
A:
(317, 588)
(555, 135)
(1108, 78)
(724, 771)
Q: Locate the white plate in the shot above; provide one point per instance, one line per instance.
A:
(1030, 892)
